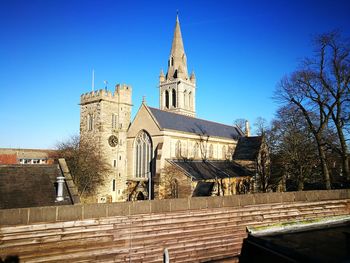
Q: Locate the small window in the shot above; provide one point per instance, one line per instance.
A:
(114, 163)
(90, 122)
(119, 175)
(114, 121)
(120, 157)
(113, 185)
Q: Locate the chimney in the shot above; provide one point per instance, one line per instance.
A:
(247, 129)
(60, 182)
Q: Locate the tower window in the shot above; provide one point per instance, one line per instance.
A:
(190, 99)
(114, 121)
(172, 61)
(174, 98)
(114, 163)
(167, 99)
(113, 185)
(90, 122)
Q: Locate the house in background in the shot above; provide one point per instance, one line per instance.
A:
(26, 156)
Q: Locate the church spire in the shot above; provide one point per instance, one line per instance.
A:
(177, 64)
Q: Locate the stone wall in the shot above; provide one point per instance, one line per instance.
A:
(193, 230)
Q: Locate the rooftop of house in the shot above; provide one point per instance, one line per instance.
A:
(30, 186)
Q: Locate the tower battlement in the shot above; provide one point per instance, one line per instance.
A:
(122, 93)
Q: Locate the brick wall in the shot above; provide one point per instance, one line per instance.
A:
(193, 230)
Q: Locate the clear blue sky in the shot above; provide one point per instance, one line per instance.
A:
(239, 50)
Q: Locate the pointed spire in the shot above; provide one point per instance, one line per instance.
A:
(161, 76)
(177, 66)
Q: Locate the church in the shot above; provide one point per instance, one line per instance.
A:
(166, 152)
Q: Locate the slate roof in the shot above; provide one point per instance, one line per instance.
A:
(179, 122)
(207, 170)
(30, 186)
(247, 148)
(203, 189)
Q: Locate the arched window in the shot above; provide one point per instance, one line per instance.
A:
(174, 189)
(195, 151)
(90, 122)
(185, 99)
(178, 149)
(224, 152)
(211, 151)
(172, 61)
(190, 99)
(174, 98)
(143, 155)
(167, 99)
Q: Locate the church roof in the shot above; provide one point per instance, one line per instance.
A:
(179, 122)
(247, 148)
(203, 189)
(201, 170)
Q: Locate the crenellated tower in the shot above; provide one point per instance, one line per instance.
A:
(177, 91)
(104, 120)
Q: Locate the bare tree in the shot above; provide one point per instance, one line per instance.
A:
(292, 147)
(334, 74)
(320, 90)
(260, 125)
(85, 163)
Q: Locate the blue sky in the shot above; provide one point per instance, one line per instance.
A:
(239, 50)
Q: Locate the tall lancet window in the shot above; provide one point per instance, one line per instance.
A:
(167, 99)
(190, 99)
(174, 98)
(143, 155)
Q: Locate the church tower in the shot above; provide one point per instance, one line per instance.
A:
(177, 91)
(104, 121)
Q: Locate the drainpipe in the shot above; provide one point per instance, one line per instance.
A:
(60, 181)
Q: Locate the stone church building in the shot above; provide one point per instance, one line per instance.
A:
(165, 152)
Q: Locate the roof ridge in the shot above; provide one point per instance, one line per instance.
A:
(231, 126)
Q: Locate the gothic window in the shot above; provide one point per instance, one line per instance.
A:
(90, 122)
(174, 189)
(167, 99)
(143, 155)
(114, 121)
(113, 185)
(178, 149)
(190, 99)
(224, 152)
(211, 151)
(195, 151)
(174, 98)
(185, 99)
(172, 61)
